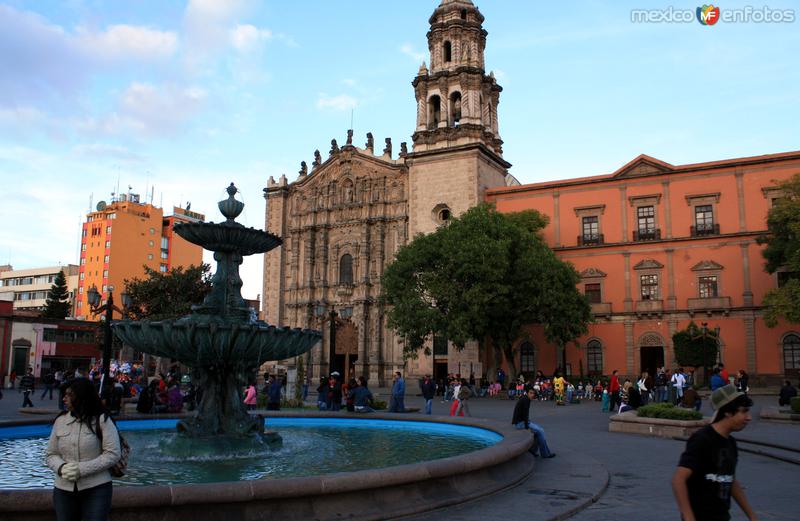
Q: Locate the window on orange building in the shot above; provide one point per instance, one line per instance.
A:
(707, 286)
(791, 354)
(649, 286)
(704, 219)
(646, 223)
(527, 358)
(591, 229)
(593, 293)
(594, 357)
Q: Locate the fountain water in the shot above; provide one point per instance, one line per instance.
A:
(222, 343)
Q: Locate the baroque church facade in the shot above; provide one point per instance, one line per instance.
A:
(343, 219)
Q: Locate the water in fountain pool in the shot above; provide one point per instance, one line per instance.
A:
(310, 447)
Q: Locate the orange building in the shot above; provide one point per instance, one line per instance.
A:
(658, 246)
(120, 238)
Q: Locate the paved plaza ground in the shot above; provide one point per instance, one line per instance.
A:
(628, 475)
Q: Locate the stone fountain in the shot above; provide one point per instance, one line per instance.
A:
(221, 341)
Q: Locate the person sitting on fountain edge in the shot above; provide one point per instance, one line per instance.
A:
(362, 396)
(521, 420)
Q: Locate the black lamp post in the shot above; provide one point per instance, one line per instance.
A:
(705, 334)
(108, 308)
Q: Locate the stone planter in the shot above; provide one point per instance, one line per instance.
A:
(630, 423)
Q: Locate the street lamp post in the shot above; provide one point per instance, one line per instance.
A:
(705, 334)
(108, 308)
(320, 312)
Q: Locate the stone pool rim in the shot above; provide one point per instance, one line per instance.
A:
(364, 494)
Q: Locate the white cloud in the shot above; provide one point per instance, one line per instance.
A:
(246, 37)
(124, 42)
(409, 50)
(207, 25)
(99, 151)
(349, 82)
(148, 110)
(340, 102)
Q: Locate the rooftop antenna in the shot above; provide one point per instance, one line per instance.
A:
(161, 204)
(91, 200)
(351, 118)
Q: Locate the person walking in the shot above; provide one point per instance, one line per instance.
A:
(613, 392)
(705, 480)
(464, 394)
(49, 382)
(250, 397)
(661, 385)
(26, 385)
(274, 394)
(428, 392)
(742, 381)
(397, 401)
(521, 420)
(679, 383)
(83, 446)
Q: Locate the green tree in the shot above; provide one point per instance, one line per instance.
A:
(57, 304)
(160, 296)
(696, 347)
(483, 276)
(782, 252)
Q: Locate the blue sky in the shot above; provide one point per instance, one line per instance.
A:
(189, 96)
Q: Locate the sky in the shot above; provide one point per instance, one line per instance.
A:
(182, 98)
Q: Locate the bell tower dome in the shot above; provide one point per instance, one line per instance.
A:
(456, 100)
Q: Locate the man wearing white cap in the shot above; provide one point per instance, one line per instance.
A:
(705, 479)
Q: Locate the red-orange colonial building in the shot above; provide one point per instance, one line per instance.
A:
(658, 246)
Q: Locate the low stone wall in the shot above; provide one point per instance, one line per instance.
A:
(363, 495)
(781, 414)
(630, 423)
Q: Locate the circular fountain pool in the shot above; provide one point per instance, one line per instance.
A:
(311, 447)
(330, 467)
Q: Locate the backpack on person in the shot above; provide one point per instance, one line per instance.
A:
(118, 469)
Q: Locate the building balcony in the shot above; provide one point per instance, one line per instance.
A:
(702, 230)
(647, 235)
(590, 239)
(649, 307)
(601, 309)
(709, 305)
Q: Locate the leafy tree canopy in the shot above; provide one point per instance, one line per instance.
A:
(160, 296)
(782, 252)
(484, 275)
(57, 304)
(694, 348)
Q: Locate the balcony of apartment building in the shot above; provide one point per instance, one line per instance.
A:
(709, 305)
(702, 230)
(647, 234)
(590, 239)
(601, 309)
(649, 306)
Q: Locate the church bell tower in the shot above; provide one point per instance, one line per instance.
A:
(457, 150)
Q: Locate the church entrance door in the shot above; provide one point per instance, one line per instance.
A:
(346, 348)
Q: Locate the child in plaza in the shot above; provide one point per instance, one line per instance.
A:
(606, 401)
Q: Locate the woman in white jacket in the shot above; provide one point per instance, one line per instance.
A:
(642, 385)
(83, 446)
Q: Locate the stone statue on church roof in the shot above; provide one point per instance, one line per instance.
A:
(349, 136)
(317, 159)
(370, 141)
(303, 169)
(388, 148)
(334, 147)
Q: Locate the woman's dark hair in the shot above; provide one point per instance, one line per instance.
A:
(733, 406)
(86, 404)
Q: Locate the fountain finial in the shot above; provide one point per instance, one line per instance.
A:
(230, 207)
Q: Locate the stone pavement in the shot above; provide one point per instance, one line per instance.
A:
(598, 475)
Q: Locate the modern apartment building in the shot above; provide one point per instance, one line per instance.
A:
(29, 287)
(120, 238)
(658, 246)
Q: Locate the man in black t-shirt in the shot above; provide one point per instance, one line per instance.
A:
(705, 479)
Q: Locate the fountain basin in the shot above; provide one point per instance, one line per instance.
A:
(365, 494)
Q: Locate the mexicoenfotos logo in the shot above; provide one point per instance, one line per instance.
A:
(708, 14)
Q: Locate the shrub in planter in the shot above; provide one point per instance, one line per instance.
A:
(668, 411)
(795, 404)
(378, 405)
